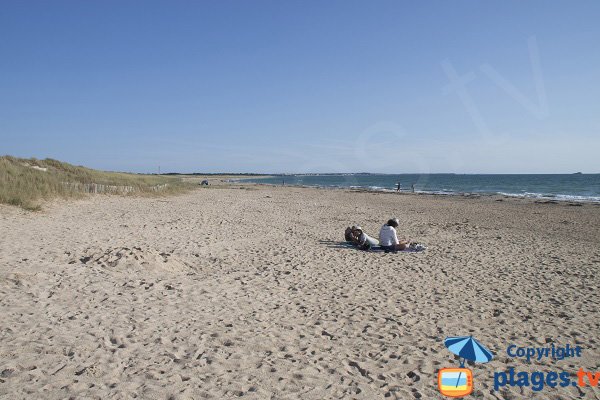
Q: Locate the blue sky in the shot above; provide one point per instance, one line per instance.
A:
(303, 86)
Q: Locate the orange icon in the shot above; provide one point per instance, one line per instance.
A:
(455, 382)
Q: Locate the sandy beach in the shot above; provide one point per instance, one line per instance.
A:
(247, 291)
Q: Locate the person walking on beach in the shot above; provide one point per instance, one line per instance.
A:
(397, 186)
(388, 238)
(413, 187)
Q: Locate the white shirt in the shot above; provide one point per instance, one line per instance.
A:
(388, 236)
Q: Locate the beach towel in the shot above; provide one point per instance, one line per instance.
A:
(413, 248)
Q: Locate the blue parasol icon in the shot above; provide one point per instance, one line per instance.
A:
(467, 348)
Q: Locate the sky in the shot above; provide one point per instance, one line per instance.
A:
(459, 86)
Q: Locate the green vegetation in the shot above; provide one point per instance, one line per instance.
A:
(27, 182)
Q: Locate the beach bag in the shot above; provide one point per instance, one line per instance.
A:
(417, 247)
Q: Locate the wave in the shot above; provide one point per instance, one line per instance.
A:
(473, 186)
(551, 196)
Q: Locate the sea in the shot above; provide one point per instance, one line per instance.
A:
(567, 187)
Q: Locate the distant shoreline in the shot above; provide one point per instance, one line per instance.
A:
(564, 187)
(492, 196)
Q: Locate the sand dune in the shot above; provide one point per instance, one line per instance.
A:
(247, 292)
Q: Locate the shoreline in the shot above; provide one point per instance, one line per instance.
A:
(495, 196)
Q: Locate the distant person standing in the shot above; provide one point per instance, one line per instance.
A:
(397, 186)
(413, 187)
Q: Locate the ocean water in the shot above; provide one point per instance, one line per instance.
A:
(572, 187)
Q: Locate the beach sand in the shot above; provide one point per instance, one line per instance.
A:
(246, 291)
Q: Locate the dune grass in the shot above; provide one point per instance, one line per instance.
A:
(28, 182)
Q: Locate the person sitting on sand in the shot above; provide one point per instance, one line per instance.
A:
(388, 238)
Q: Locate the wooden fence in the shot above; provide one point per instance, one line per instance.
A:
(110, 189)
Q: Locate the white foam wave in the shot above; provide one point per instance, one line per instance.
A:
(560, 197)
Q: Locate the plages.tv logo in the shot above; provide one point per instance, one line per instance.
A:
(458, 382)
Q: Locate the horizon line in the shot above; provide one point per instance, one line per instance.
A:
(369, 173)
